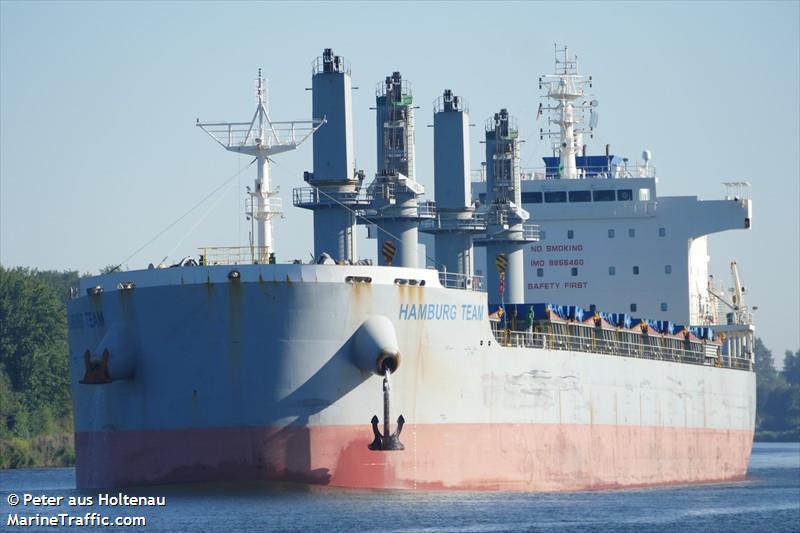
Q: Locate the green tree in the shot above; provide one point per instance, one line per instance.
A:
(13, 416)
(765, 363)
(791, 373)
(60, 282)
(33, 341)
(791, 367)
(766, 380)
(35, 405)
(777, 396)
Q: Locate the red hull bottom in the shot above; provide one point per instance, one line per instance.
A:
(513, 457)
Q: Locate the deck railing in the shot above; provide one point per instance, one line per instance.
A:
(234, 255)
(607, 172)
(454, 280)
(585, 338)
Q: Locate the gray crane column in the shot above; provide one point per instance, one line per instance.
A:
(455, 215)
(514, 252)
(506, 232)
(394, 194)
(333, 195)
(406, 242)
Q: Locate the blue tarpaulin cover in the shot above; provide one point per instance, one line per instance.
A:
(592, 164)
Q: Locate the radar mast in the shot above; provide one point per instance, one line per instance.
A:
(566, 107)
(261, 137)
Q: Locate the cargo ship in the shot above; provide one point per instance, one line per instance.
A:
(508, 356)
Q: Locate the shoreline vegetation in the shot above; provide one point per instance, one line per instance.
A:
(36, 427)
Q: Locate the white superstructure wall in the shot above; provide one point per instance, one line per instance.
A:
(648, 258)
(699, 303)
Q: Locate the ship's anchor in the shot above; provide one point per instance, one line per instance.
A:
(388, 441)
(96, 372)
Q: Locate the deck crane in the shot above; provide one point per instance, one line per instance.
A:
(740, 312)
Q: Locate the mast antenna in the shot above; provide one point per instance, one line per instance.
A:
(567, 105)
(262, 138)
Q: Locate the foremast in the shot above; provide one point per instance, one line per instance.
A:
(261, 137)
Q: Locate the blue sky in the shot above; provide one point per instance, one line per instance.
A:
(98, 149)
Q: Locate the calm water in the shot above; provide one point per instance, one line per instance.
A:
(768, 501)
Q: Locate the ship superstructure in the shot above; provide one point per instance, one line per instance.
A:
(607, 241)
(338, 372)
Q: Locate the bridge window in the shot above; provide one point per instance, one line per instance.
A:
(555, 197)
(611, 234)
(636, 271)
(644, 195)
(603, 196)
(580, 196)
(531, 197)
(624, 195)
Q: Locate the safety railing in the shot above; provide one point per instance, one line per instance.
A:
(602, 172)
(406, 91)
(305, 195)
(312, 195)
(455, 103)
(272, 206)
(337, 65)
(239, 134)
(530, 232)
(588, 339)
(491, 124)
(737, 190)
(478, 175)
(446, 221)
(383, 190)
(427, 209)
(454, 280)
(583, 172)
(233, 255)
